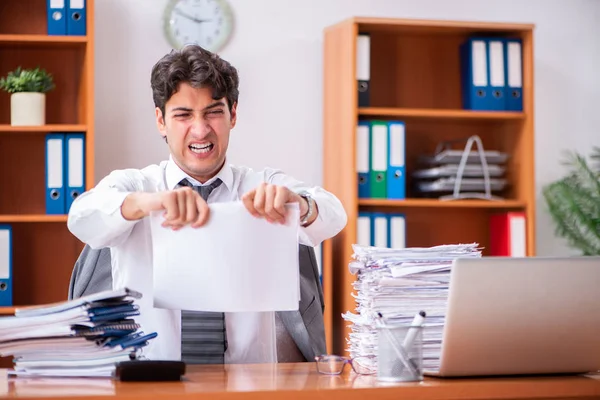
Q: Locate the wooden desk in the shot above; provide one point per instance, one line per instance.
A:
(301, 381)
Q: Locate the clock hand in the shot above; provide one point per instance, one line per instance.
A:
(190, 17)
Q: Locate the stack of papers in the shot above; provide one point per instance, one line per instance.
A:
(82, 337)
(398, 283)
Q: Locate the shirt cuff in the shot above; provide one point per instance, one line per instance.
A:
(309, 235)
(111, 212)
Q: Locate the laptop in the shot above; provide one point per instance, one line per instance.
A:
(513, 316)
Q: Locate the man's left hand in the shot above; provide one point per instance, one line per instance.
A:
(268, 201)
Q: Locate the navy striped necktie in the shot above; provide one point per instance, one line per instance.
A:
(203, 334)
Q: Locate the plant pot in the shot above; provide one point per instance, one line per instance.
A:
(28, 109)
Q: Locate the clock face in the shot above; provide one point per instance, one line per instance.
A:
(208, 23)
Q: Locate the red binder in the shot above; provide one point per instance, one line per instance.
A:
(508, 236)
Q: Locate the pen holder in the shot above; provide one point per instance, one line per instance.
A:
(400, 353)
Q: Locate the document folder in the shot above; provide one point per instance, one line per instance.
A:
(474, 73)
(363, 69)
(55, 187)
(363, 151)
(74, 167)
(6, 266)
(56, 17)
(76, 20)
(514, 72)
(379, 159)
(497, 74)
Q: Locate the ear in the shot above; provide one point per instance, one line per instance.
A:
(233, 118)
(160, 122)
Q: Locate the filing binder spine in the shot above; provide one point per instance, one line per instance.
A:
(396, 173)
(379, 159)
(514, 74)
(497, 74)
(363, 69)
(363, 229)
(474, 73)
(55, 185)
(76, 17)
(508, 236)
(363, 158)
(56, 17)
(74, 167)
(6, 270)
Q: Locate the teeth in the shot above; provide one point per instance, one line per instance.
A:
(196, 148)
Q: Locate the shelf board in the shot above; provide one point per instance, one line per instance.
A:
(41, 39)
(438, 113)
(43, 128)
(434, 203)
(7, 311)
(4, 218)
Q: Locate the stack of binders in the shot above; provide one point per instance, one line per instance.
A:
(380, 159)
(85, 337)
(398, 283)
(492, 74)
(66, 17)
(65, 170)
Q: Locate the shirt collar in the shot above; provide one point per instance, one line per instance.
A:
(174, 175)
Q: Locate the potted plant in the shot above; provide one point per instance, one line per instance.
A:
(574, 203)
(28, 88)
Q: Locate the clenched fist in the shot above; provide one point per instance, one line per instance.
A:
(268, 201)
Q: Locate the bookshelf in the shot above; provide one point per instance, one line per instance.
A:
(415, 77)
(44, 251)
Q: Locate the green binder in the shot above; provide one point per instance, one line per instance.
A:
(379, 159)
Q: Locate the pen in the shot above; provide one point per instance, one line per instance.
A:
(414, 329)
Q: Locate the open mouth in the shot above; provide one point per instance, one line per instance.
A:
(201, 148)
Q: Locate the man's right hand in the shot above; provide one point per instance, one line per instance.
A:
(182, 206)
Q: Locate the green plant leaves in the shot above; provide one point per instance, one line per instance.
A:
(27, 80)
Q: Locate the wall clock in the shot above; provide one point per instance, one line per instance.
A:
(208, 23)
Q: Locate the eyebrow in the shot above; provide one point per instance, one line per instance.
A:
(208, 107)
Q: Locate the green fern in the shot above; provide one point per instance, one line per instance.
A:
(574, 203)
(27, 80)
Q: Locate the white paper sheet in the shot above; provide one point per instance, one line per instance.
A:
(234, 263)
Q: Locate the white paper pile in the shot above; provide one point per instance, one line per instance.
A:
(82, 337)
(398, 283)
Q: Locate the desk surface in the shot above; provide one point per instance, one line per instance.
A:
(301, 381)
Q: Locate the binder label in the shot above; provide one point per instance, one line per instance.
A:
(379, 161)
(57, 3)
(362, 149)
(381, 231)
(4, 254)
(479, 63)
(514, 64)
(363, 51)
(363, 230)
(55, 163)
(77, 4)
(496, 63)
(397, 145)
(75, 162)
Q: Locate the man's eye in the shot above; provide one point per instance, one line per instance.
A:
(215, 112)
(182, 115)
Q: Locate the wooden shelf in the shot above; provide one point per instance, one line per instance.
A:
(7, 218)
(435, 203)
(43, 128)
(7, 311)
(42, 39)
(438, 113)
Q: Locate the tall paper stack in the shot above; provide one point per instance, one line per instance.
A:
(398, 283)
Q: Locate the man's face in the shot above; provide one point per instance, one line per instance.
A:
(197, 130)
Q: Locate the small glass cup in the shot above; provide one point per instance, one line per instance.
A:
(330, 364)
(400, 353)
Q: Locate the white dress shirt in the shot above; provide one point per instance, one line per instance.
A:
(95, 218)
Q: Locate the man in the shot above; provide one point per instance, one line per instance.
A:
(196, 95)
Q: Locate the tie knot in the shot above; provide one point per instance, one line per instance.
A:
(203, 190)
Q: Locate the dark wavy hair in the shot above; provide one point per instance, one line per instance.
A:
(199, 68)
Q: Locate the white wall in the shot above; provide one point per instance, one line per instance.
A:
(277, 48)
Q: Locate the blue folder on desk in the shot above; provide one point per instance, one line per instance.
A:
(56, 17)
(6, 266)
(55, 186)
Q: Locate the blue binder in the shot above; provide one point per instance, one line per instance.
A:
(475, 74)
(6, 270)
(514, 74)
(76, 17)
(55, 185)
(363, 158)
(74, 167)
(497, 74)
(56, 15)
(396, 171)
